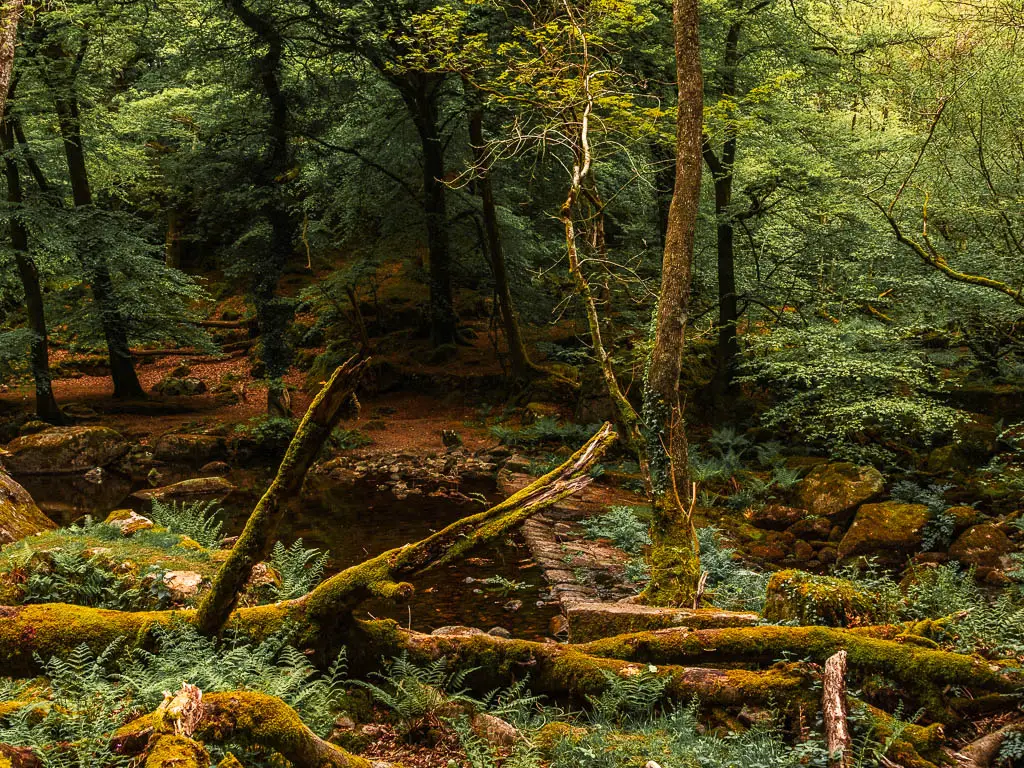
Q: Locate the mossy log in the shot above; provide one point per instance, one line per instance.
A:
(247, 716)
(19, 757)
(257, 537)
(321, 617)
(562, 669)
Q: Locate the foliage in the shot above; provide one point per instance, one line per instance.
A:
(545, 430)
(628, 530)
(418, 696)
(299, 569)
(730, 584)
(938, 531)
(629, 697)
(199, 520)
(503, 586)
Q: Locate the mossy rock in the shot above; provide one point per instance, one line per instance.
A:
(809, 599)
(983, 546)
(890, 531)
(64, 450)
(836, 490)
(194, 489)
(192, 449)
(19, 515)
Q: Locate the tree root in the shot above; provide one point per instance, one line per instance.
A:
(247, 716)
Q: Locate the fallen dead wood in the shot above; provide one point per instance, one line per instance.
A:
(838, 741)
(322, 617)
(254, 718)
(254, 543)
(982, 752)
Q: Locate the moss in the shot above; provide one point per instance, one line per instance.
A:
(177, 752)
(810, 599)
(889, 530)
(675, 568)
(550, 735)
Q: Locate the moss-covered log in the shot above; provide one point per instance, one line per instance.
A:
(320, 618)
(170, 751)
(246, 716)
(258, 535)
(558, 669)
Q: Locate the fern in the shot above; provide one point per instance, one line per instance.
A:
(629, 698)
(197, 520)
(627, 530)
(300, 569)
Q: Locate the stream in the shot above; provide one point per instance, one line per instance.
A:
(353, 523)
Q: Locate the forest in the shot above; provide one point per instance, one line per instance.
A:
(512, 383)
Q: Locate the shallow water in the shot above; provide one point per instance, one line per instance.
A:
(352, 524)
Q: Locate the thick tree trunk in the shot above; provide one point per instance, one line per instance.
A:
(115, 329)
(522, 368)
(420, 92)
(39, 348)
(675, 560)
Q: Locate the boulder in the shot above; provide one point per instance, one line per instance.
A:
(191, 449)
(128, 521)
(63, 450)
(810, 599)
(182, 584)
(194, 489)
(19, 515)
(184, 387)
(494, 730)
(983, 546)
(890, 531)
(775, 517)
(836, 490)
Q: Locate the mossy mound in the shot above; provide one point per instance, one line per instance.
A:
(984, 546)
(824, 600)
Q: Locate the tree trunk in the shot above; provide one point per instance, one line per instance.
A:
(10, 15)
(722, 170)
(420, 92)
(522, 368)
(39, 349)
(274, 314)
(675, 559)
(833, 707)
(115, 329)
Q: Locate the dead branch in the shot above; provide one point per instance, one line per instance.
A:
(833, 704)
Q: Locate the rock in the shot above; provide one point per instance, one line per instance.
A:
(836, 490)
(95, 475)
(182, 371)
(175, 387)
(776, 517)
(825, 600)
(494, 730)
(195, 489)
(512, 606)
(215, 469)
(128, 521)
(828, 555)
(451, 438)
(33, 428)
(182, 584)
(814, 528)
(803, 552)
(19, 515)
(191, 449)
(965, 517)
(79, 412)
(62, 450)
(499, 632)
(983, 545)
(890, 531)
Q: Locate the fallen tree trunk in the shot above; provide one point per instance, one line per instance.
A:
(320, 618)
(254, 718)
(258, 535)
